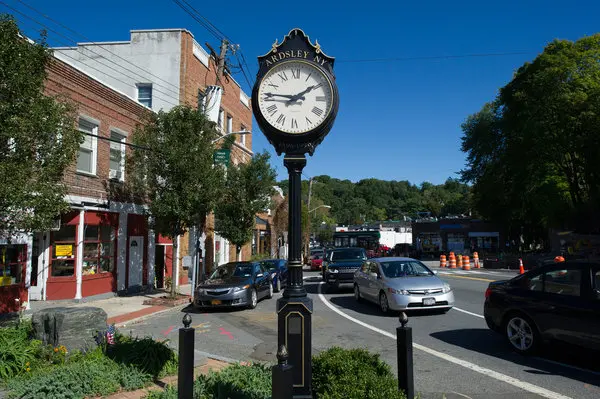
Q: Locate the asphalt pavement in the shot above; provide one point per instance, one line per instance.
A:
(455, 354)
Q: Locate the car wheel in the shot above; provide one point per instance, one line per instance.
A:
(357, 293)
(253, 298)
(521, 333)
(278, 285)
(270, 295)
(383, 303)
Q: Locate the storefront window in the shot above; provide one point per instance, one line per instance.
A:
(456, 242)
(63, 251)
(98, 249)
(13, 260)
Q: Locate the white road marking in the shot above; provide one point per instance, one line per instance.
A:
(471, 366)
(467, 312)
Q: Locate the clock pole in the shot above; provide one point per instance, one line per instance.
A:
(294, 308)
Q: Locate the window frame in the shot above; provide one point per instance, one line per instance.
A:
(243, 136)
(99, 242)
(544, 272)
(94, 144)
(72, 258)
(123, 148)
(229, 124)
(220, 119)
(145, 99)
(201, 101)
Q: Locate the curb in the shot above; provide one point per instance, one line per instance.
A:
(136, 320)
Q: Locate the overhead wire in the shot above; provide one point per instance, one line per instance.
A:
(219, 33)
(97, 44)
(98, 61)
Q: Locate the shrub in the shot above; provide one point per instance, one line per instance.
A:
(91, 376)
(146, 354)
(352, 374)
(17, 351)
(232, 382)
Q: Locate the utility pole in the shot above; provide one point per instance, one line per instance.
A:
(307, 243)
(221, 61)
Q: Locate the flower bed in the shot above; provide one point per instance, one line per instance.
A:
(29, 369)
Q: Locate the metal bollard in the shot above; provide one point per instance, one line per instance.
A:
(282, 377)
(185, 377)
(405, 358)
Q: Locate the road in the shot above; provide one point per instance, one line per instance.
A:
(455, 354)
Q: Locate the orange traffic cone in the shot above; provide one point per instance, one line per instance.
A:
(521, 268)
(452, 261)
(466, 263)
(476, 260)
(442, 260)
(459, 261)
(559, 259)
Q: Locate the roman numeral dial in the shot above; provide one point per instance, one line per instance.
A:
(295, 97)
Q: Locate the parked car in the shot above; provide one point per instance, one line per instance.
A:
(314, 251)
(279, 272)
(316, 261)
(237, 284)
(340, 265)
(397, 283)
(560, 301)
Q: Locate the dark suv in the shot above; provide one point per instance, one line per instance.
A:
(340, 264)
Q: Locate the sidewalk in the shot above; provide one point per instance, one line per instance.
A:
(119, 309)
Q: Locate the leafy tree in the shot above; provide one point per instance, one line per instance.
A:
(531, 153)
(38, 138)
(248, 191)
(175, 172)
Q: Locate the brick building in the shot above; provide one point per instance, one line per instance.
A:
(161, 69)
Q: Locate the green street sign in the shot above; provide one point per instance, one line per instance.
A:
(221, 157)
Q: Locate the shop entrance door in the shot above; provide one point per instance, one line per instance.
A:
(159, 263)
(136, 260)
(39, 267)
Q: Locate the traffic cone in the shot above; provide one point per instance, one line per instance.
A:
(521, 268)
(459, 260)
(452, 261)
(476, 260)
(442, 260)
(466, 263)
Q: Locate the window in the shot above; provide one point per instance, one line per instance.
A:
(117, 156)
(243, 136)
(536, 283)
(13, 261)
(395, 269)
(99, 249)
(86, 159)
(220, 120)
(63, 251)
(229, 124)
(563, 282)
(145, 94)
(201, 101)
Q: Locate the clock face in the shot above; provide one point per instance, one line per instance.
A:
(295, 97)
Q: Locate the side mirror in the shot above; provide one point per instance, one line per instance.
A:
(259, 275)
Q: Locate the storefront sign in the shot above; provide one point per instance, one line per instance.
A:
(64, 250)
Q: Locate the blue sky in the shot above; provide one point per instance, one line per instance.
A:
(398, 120)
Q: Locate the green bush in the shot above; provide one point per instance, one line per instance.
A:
(232, 382)
(146, 354)
(352, 374)
(91, 376)
(17, 351)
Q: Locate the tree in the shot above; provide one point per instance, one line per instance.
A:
(175, 172)
(38, 138)
(531, 153)
(248, 191)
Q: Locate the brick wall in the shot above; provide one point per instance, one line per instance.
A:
(97, 101)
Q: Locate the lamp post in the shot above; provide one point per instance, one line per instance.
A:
(319, 207)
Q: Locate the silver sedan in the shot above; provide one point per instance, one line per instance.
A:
(401, 284)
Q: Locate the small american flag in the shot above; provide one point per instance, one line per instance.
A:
(110, 335)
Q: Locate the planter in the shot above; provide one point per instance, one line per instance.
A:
(168, 301)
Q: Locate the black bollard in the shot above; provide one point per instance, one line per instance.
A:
(185, 378)
(282, 377)
(405, 358)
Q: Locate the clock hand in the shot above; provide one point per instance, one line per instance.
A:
(269, 95)
(300, 95)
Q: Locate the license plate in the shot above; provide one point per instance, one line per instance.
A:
(218, 302)
(428, 301)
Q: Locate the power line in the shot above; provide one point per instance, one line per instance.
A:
(435, 57)
(90, 66)
(91, 41)
(207, 25)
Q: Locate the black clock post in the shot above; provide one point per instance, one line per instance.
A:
(295, 102)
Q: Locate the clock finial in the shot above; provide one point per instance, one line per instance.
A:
(274, 46)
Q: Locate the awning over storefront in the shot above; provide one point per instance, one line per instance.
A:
(485, 234)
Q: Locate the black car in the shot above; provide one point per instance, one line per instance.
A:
(558, 302)
(340, 264)
(279, 272)
(238, 284)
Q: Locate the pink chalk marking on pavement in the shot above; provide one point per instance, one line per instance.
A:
(168, 331)
(225, 332)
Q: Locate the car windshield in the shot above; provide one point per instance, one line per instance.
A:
(271, 265)
(232, 269)
(348, 254)
(402, 268)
